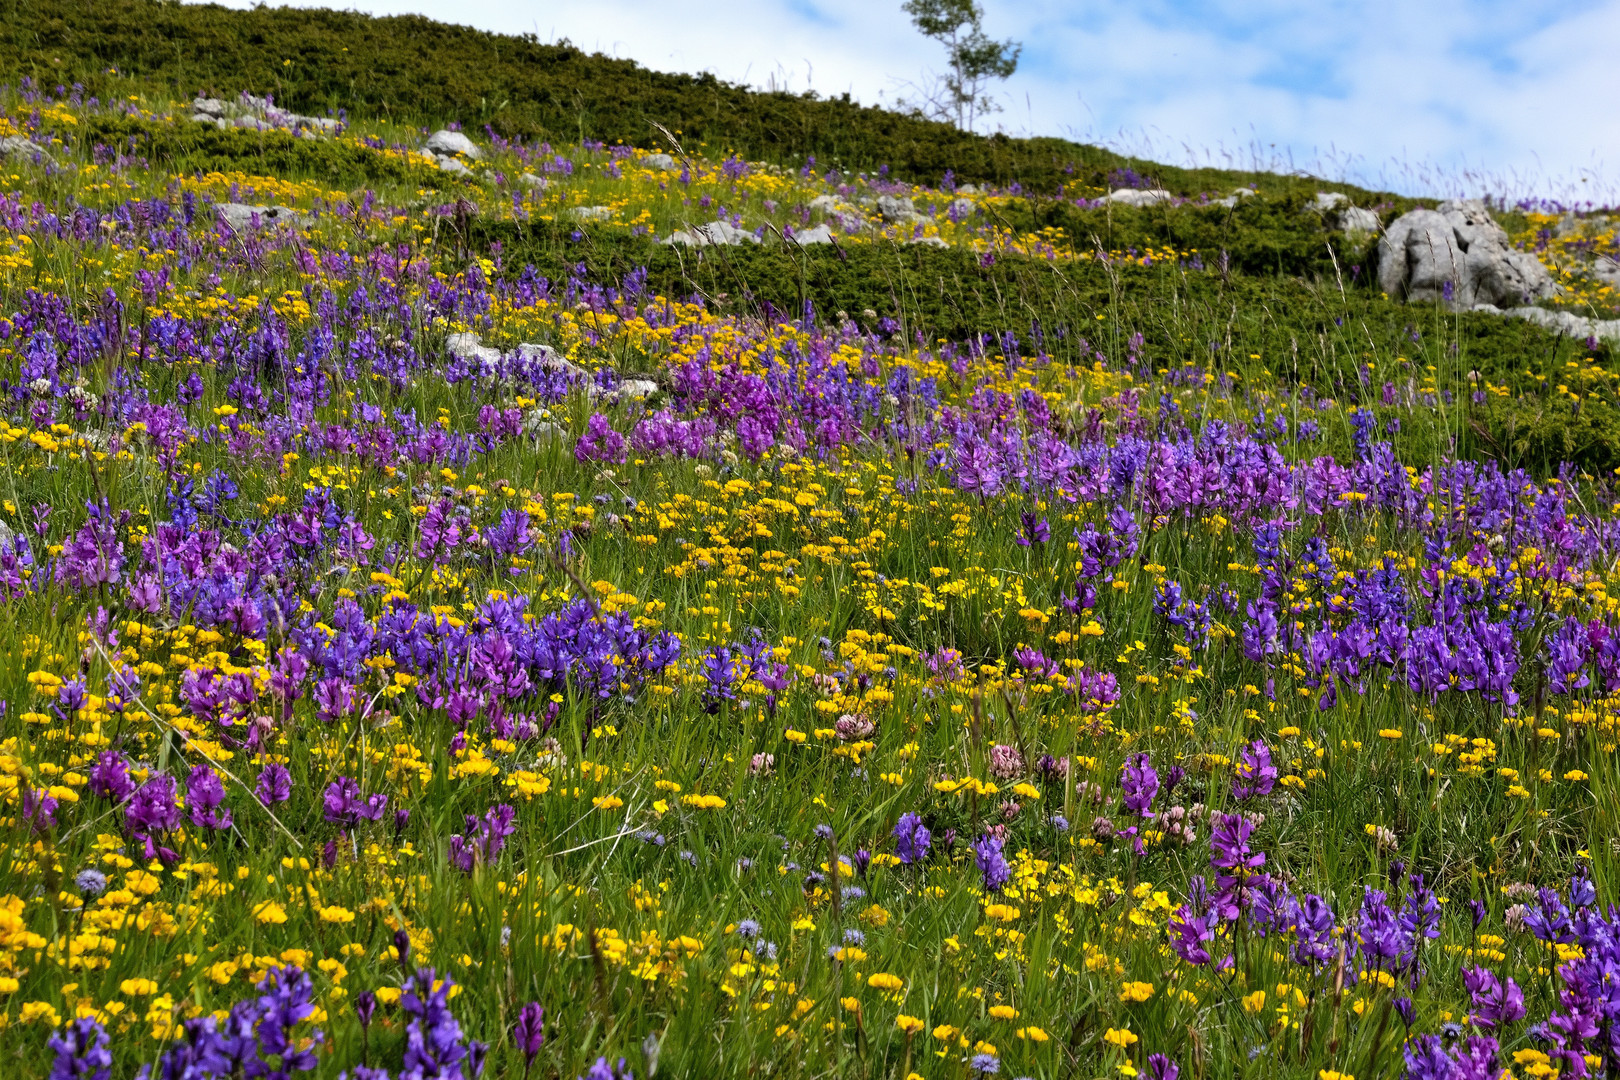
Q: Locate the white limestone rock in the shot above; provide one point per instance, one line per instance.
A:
(444, 141)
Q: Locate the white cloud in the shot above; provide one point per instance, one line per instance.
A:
(1494, 97)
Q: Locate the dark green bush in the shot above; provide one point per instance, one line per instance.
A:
(185, 147)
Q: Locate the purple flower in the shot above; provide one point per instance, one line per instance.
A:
(1160, 1067)
(1495, 1003)
(1189, 934)
(1229, 851)
(1477, 1059)
(109, 777)
(1426, 1059)
(284, 1003)
(1313, 932)
(530, 1032)
(1384, 939)
(1256, 775)
(39, 808)
(152, 810)
(600, 442)
(344, 806)
(81, 1051)
(204, 793)
(433, 1041)
(912, 839)
(484, 838)
(274, 784)
(603, 1071)
(992, 864)
(1549, 919)
(365, 1006)
(1034, 530)
(1140, 783)
(334, 699)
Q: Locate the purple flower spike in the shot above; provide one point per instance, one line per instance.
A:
(912, 839)
(530, 1032)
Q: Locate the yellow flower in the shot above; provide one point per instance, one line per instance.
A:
(794, 736)
(944, 1033)
(1001, 912)
(8, 985)
(1003, 1012)
(1255, 1001)
(1027, 790)
(1136, 991)
(137, 987)
(1389, 733)
(704, 802)
(335, 914)
(269, 912)
(607, 802)
(1330, 1074)
(40, 1010)
(1120, 1037)
(908, 1024)
(1033, 1034)
(884, 981)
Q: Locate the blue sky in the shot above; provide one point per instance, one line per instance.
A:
(1471, 96)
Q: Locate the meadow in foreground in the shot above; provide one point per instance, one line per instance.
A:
(630, 688)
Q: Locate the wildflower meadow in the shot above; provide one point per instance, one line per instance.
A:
(435, 647)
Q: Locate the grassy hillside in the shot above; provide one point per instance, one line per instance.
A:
(458, 629)
(416, 71)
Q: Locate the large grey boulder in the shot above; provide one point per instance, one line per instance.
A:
(22, 146)
(631, 390)
(253, 113)
(537, 426)
(1459, 255)
(1139, 197)
(240, 216)
(491, 361)
(468, 347)
(821, 234)
(660, 161)
(550, 359)
(453, 165)
(1237, 195)
(452, 142)
(721, 233)
(1358, 221)
(1339, 213)
(1565, 323)
(896, 210)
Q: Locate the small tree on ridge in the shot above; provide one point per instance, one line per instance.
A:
(974, 60)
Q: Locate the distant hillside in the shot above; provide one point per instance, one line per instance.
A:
(415, 70)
